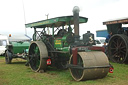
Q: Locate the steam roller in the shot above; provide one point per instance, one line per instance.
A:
(117, 49)
(62, 48)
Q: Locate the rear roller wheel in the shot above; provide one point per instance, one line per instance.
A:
(37, 56)
(86, 60)
(8, 57)
(118, 48)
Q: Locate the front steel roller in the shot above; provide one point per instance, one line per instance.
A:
(118, 48)
(37, 56)
(90, 65)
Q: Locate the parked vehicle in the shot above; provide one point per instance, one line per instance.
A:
(100, 41)
(101, 33)
(17, 48)
(3, 42)
(118, 43)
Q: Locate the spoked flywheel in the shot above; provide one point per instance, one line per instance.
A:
(118, 48)
(37, 56)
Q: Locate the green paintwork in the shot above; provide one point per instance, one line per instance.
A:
(57, 22)
(19, 47)
(64, 49)
(61, 44)
(65, 36)
(58, 43)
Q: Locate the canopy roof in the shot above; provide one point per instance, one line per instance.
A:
(117, 21)
(56, 22)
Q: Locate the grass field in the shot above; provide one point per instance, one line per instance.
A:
(18, 74)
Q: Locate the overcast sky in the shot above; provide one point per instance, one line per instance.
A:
(12, 17)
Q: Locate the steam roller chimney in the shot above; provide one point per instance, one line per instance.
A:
(76, 11)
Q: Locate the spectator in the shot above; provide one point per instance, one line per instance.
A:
(105, 47)
(108, 37)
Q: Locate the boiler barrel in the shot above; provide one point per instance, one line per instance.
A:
(90, 65)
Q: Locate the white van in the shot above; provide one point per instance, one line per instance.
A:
(3, 42)
(100, 41)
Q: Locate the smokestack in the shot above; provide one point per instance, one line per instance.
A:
(76, 11)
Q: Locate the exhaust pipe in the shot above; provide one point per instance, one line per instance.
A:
(76, 11)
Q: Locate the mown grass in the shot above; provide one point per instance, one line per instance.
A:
(18, 74)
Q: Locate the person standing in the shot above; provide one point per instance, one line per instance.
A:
(108, 37)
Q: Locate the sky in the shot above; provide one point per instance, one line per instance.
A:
(16, 13)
